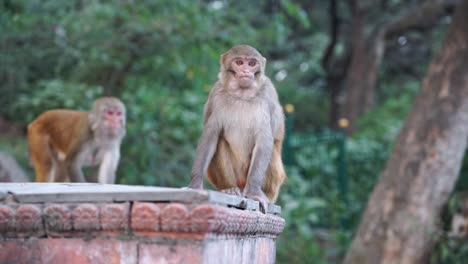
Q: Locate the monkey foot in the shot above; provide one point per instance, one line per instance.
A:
(232, 191)
(263, 202)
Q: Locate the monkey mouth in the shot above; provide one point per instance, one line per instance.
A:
(245, 80)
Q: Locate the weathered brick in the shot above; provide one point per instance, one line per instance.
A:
(28, 221)
(78, 251)
(69, 251)
(58, 220)
(170, 254)
(208, 218)
(86, 217)
(114, 217)
(145, 217)
(19, 252)
(175, 218)
(6, 219)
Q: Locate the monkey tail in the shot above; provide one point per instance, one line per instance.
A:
(275, 174)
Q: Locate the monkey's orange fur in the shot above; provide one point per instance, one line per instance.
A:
(61, 141)
(58, 130)
(223, 172)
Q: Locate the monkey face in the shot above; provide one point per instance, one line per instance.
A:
(107, 118)
(114, 119)
(244, 70)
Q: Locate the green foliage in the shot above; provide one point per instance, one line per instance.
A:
(296, 12)
(449, 250)
(317, 159)
(385, 121)
(312, 199)
(160, 145)
(50, 94)
(299, 208)
(160, 57)
(298, 79)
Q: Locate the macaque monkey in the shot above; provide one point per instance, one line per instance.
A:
(62, 141)
(240, 147)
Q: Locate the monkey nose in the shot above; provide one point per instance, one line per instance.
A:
(113, 122)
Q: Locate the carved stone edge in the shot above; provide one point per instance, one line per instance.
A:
(149, 219)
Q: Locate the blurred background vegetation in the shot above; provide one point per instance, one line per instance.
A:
(161, 58)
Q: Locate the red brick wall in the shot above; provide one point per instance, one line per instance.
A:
(135, 232)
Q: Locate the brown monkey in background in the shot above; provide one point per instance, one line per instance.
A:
(240, 147)
(62, 141)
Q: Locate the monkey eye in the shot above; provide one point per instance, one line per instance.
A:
(252, 63)
(239, 62)
(110, 112)
(118, 113)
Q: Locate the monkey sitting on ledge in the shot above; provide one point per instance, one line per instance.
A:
(62, 141)
(240, 147)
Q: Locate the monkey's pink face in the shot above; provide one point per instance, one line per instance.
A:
(114, 118)
(244, 70)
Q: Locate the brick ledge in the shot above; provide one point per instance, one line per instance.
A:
(132, 218)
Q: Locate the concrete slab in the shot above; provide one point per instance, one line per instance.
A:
(94, 192)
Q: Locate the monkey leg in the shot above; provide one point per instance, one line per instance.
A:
(43, 170)
(74, 171)
(275, 175)
(108, 167)
(40, 155)
(60, 172)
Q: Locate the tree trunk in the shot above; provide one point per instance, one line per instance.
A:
(361, 77)
(335, 68)
(400, 221)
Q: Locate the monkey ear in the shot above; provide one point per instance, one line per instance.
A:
(263, 64)
(92, 119)
(222, 59)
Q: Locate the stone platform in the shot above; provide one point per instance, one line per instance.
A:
(96, 223)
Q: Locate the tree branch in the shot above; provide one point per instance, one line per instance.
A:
(327, 55)
(420, 17)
